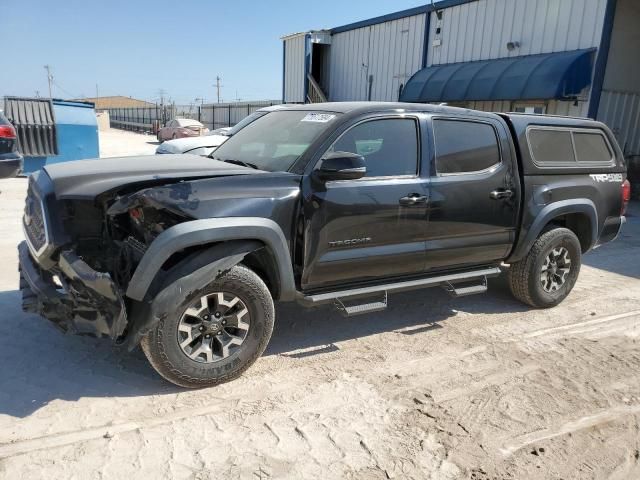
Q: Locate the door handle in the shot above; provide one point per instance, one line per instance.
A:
(413, 199)
(500, 194)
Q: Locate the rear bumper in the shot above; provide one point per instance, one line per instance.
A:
(611, 229)
(10, 167)
(86, 303)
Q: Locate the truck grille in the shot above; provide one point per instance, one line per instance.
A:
(34, 221)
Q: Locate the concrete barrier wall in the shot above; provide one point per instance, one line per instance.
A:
(103, 120)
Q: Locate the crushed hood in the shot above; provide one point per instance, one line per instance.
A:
(85, 179)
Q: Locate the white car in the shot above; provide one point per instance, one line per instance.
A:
(195, 145)
(206, 144)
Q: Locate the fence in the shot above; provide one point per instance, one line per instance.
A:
(219, 115)
(139, 118)
(213, 116)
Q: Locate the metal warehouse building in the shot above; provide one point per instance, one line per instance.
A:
(566, 57)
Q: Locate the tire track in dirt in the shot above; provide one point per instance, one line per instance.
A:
(569, 427)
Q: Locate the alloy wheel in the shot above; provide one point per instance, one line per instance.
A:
(213, 327)
(555, 269)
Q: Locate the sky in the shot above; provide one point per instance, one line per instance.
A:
(138, 47)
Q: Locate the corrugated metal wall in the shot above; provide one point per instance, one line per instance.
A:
(294, 69)
(621, 112)
(391, 52)
(620, 100)
(480, 30)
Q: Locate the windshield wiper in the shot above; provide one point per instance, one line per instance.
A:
(238, 162)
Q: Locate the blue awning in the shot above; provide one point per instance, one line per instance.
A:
(532, 77)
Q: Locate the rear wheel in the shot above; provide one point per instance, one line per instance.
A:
(214, 334)
(548, 273)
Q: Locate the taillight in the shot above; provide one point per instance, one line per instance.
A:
(626, 196)
(7, 131)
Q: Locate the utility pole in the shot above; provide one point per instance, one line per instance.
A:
(97, 96)
(37, 93)
(162, 92)
(218, 85)
(49, 78)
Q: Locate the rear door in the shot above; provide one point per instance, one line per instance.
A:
(474, 192)
(374, 227)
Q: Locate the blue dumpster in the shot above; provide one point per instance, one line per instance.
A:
(52, 131)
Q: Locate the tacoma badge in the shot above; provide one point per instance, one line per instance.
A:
(350, 243)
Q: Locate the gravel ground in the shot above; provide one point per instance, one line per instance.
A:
(477, 387)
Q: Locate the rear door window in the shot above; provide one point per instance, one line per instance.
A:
(464, 146)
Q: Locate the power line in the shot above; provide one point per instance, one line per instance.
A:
(71, 95)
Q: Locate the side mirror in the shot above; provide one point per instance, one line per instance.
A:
(342, 166)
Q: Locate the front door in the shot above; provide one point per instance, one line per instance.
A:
(474, 194)
(374, 227)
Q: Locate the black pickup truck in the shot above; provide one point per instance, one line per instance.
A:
(327, 203)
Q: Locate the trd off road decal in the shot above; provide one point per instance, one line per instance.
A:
(607, 177)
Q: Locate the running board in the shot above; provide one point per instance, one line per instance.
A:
(351, 310)
(442, 280)
(467, 290)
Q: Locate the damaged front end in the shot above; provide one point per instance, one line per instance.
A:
(73, 296)
(77, 260)
(87, 227)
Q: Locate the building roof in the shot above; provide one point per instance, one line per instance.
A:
(116, 101)
(429, 7)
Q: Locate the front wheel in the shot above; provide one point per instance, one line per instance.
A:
(548, 273)
(215, 333)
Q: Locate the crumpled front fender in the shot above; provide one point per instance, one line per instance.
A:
(184, 280)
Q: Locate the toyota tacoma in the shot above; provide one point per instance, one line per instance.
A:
(338, 203)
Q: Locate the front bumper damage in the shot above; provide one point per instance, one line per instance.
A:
(85, 302)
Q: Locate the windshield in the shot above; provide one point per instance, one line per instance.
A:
(244, 122)
(276, 140)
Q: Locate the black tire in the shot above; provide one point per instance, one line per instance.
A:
(161, 345)
(525, 275)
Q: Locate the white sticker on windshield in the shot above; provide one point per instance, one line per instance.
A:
(318, 117)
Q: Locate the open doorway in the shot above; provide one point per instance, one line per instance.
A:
(320, 66)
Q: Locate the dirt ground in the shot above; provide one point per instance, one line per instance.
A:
(121, 143)
(435, 387)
